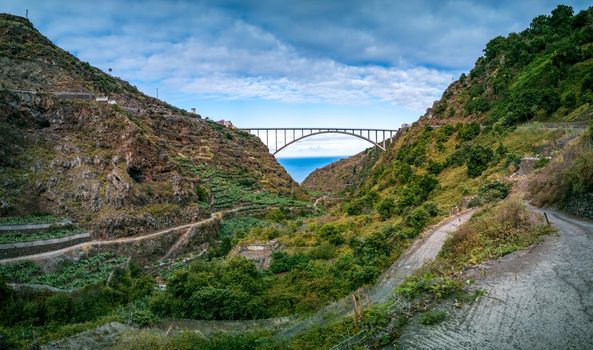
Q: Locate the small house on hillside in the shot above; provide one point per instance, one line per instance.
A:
(226, 123)
(105, 99)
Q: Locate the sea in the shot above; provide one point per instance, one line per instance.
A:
(300, 168)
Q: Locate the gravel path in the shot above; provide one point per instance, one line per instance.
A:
(424, 249)
(540, 298)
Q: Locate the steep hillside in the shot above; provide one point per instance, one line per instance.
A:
(343, 175)
(472, 137)
(119, 168)
(543, 73)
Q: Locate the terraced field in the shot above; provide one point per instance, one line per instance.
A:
(71, 275)
(37, 235)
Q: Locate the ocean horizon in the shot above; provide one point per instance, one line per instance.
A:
(300, 167)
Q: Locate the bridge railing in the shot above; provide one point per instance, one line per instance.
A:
(280, 138)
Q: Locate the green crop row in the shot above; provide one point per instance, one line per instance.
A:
(17, 236)
(29, 219)
(72, 275)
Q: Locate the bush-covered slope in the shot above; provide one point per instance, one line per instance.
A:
(343, 175)
(136, 165)
(543, 73)
(471, 138)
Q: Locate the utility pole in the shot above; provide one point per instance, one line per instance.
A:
(27, 13)
(157, 93)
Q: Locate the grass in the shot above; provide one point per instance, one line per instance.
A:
(240, 226)
(72, 275)
(493, 232)
(18, 236)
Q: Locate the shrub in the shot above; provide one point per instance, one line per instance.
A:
(468, 132)
(570, 101)
(437, 287)
(282, 262)
(433, 317)
(58, 308)
(435, 167)
(478, 159)
(324, 251)
(332, 233)
(477, 105)
(201, 193)
(418, 218)
(372, 251)
(542, 162)
(276, 215)
(431, 208)
(490, 192)
(386, 207)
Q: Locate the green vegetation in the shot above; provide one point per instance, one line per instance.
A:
(566, 180)
(155, 340)
(42, 316)
(231, 231)
(433, 317)
(490, 192)
(230, 189)
(437, 287)
(28, 236)
(495, 231)
(72, 275)
(320, 263)
(540, 73)
(29, 219)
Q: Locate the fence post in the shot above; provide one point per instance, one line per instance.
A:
(546, 216)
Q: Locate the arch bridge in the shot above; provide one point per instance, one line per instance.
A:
(281, 138)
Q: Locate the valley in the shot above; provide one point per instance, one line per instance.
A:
(139, 225)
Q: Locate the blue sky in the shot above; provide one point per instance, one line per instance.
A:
(313, 63)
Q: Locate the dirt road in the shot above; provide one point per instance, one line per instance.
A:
(541, 298)
(424, 249)
(54, 253)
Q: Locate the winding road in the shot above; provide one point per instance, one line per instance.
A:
(541, 298)
(424, 249)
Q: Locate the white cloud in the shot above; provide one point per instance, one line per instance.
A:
(212, 53)
(344, 52)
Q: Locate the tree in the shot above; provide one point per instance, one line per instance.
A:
(468, 132)
(418, 218)
(493, 47)
(386, 207)
(562, 17)
(478, 159)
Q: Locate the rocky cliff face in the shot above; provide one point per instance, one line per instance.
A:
(119, 168)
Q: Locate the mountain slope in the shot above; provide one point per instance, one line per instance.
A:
(342, 175)
(473, 136)
(119, 168)
(543, 73)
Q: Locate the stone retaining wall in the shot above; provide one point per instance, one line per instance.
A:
(38, 247)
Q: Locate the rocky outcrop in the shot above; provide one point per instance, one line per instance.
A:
(118, 169)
